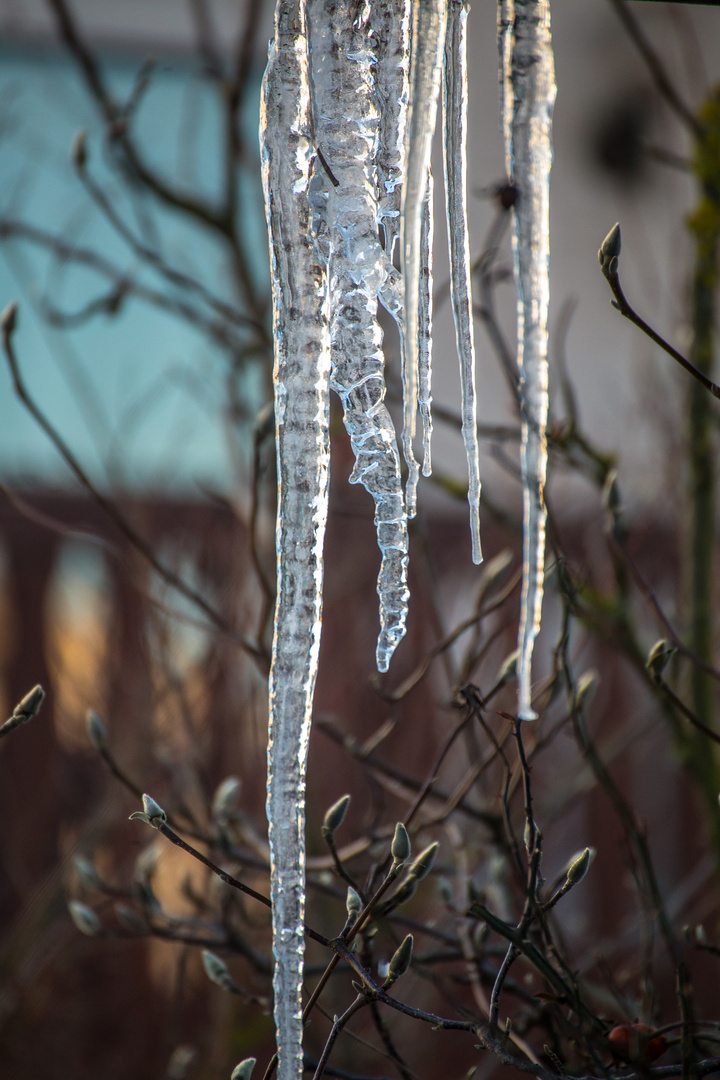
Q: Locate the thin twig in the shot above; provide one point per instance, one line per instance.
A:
(609, 267)
(685, 710)
(360, 1002)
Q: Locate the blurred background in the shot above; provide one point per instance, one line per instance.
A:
(136, 530)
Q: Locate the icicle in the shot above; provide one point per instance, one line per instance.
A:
(346, 125)
(331, 174)
(427, 43)
(391, 37)
(300, 376)
(425, 314)
(528, 95)
(454, 143)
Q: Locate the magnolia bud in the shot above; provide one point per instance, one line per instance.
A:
(610, 250)
(586, 686)
(244, 1070)
(353, 903)
(400, 961)
(610, 496)
(181, 1062)
(422, 866)
(335, 816)
(86, 872)
(508, 668)
(225, 799)
(579, 865)
(217, 970)
(84, 918)
(30, 704)
(400, 847)
(97, 732)
(659, 657)
(152, 814)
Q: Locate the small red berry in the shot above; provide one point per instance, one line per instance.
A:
(636, 1043)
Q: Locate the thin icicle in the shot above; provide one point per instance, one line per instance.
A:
(427, 44)
(391, 37)
(528, 96)
(424, 334)
(300, 376)
(454, 143)
(346, 126)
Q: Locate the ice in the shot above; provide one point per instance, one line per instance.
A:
(301, 380)
(425, 313)
(391, 36)
(348, 113)
(427, 44)
(346, 121)
(528, 95)
(454, 143)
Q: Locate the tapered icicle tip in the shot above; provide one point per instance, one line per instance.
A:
(525, 709)
(427, 428)
(477, 555)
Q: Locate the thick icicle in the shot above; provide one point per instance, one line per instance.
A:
(454, 143)
(346, 124)
(425, 314)
(528, 95)
(391, 39)
(427, 44)
(301, 376)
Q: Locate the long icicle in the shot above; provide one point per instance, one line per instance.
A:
(300, 376)
(424, 327)
(346, 126)
(427, 44)
(455, 157)
(391, 36)
(528, 96)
